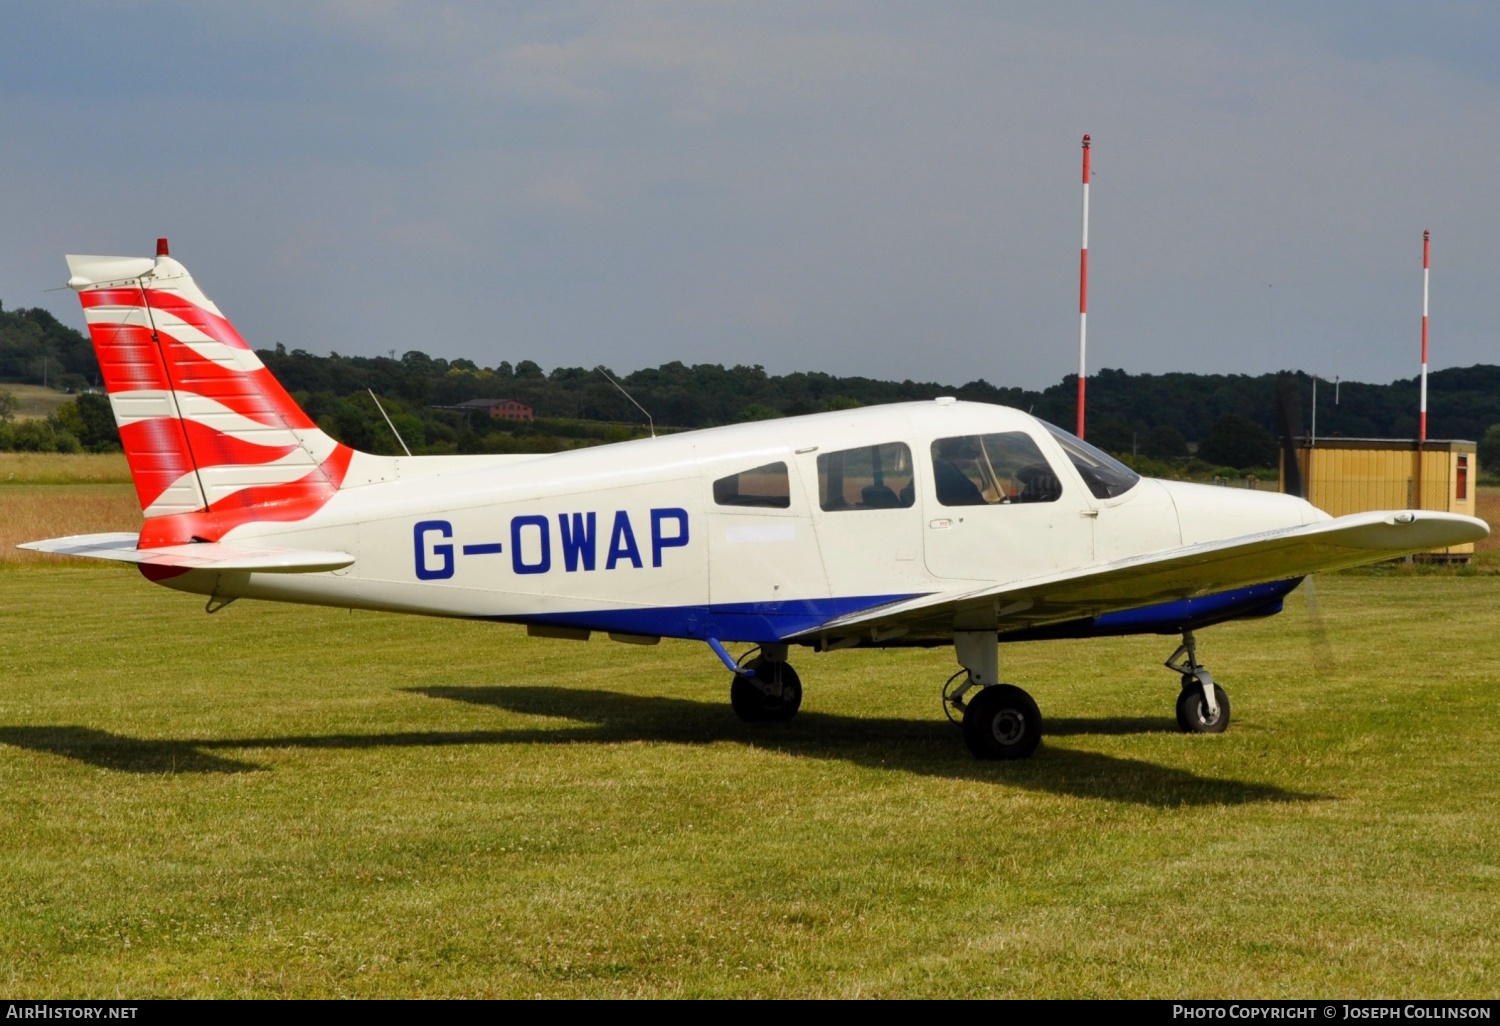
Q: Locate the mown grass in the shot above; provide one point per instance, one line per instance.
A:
(277, 800)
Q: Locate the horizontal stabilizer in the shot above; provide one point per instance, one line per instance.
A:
(196, 556)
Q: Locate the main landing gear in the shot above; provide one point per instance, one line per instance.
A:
(1000, 721)
(771, 692)
(1202, 706)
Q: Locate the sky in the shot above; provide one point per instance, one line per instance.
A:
(884, 189)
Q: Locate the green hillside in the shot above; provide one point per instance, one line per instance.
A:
(1160, 415)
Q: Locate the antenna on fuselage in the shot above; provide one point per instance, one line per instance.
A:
(388, 423)
(649, 422)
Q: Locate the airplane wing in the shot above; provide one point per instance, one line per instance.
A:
(1174, 574)
(197, 556)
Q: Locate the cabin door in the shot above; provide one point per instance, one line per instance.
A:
(998, 511)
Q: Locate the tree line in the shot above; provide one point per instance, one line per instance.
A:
(1220, 420)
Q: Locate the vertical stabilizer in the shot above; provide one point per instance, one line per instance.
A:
(212, 439)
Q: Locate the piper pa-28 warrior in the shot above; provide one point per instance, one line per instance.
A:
(921, 523)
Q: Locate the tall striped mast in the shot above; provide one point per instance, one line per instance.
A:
(1083, 290)
(1426, 273)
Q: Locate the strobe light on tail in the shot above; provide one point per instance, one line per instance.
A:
(911, 524)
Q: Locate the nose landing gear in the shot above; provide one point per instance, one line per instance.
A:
(1202, 706)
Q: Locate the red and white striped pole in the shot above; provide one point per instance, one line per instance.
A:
(1083, 290)
(1426, 273)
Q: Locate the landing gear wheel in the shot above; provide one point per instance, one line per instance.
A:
(1192, 710)
(772, 695)
(1002, 722)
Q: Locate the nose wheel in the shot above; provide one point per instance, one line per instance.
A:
(1202, 706)
(1193, 715)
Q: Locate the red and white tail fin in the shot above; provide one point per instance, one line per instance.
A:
(212, 439)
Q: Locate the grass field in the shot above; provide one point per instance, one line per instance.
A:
(1487, 508)
(48, 495)
(35, 400)
(277, 800)
(63, 468)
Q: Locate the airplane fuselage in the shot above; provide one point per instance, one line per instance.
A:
(644, 539)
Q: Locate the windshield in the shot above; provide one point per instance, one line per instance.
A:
(1105, 476)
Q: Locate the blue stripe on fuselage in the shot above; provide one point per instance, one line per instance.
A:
(765, 622)
(757, 622)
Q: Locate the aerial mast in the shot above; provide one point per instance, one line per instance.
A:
(1426, 273)
(1083, 290)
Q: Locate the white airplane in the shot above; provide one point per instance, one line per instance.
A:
(922, 523)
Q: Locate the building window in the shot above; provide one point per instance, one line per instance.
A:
(1462, 489)
(766, 487)
(871, 477)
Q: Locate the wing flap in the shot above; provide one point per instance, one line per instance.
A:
(1182, 573)
(197, 556)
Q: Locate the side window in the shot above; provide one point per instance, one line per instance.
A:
(873, 477)
(767, 487)
(992, 470)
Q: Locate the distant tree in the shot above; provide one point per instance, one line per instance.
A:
(1489, 451)
(759, 411)
(1111, 433)
(1239, 442)
(67, 418)
(96, 423)
(1164, 442)
(7, 404)
(38, 435)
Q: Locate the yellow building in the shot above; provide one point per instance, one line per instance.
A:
(1352, 475)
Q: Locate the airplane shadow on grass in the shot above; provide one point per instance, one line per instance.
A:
(928, 747)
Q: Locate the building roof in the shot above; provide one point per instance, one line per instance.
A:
(1409, 444)
(482, 404)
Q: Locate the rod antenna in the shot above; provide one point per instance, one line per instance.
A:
(649, 422)
(388, 423)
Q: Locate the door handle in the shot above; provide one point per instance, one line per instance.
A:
(1091, 513)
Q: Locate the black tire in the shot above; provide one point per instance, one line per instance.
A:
(1002, 722)
(774, 695)
(1192, 711)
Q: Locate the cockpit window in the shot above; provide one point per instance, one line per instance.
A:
(872, 477)
(992, 470)
(767, 487)
(1106, 476)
